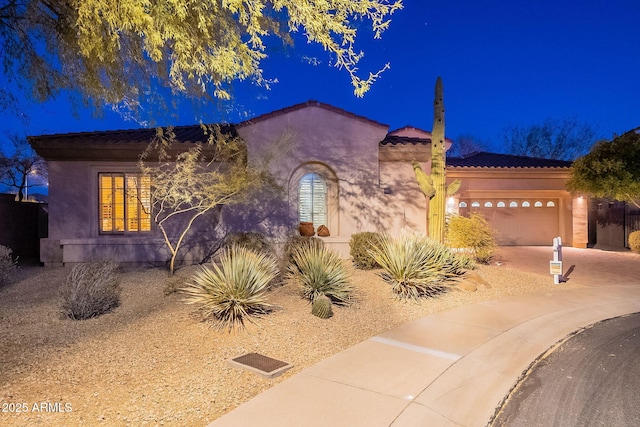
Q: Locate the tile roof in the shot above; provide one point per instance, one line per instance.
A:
(109, 145)
(495, 160)
(192, 133)
(404, 140)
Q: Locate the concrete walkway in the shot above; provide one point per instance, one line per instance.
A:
(452, 368)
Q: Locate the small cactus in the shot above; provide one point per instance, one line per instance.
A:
(321, 307)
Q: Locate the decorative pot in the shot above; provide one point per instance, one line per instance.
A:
(306, 229)
(323, 231)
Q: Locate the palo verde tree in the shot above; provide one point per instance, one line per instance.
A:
(113, 51)
(434, 186)
(18, 166)
(187, 183)
(610, 169)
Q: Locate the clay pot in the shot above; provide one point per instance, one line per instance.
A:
(306, 229)
(323, 231)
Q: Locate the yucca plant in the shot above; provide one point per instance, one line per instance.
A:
(321, 272)
(417, 266)
(235, 290)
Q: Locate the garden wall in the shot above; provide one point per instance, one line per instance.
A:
(22, 224)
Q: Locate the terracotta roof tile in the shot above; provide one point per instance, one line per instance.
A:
(496, 160)
(404, 140)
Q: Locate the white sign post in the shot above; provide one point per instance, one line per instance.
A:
(555, 266)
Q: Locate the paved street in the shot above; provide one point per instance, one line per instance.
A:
(592, 379)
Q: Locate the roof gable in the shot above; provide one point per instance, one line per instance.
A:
(309, 104)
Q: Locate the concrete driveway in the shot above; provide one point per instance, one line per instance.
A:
(453, 368)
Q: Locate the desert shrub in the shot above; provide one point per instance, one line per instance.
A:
(473, 233)
(253, 241)
(7, 265)
(634, 241)
(90, 289)
(233, 290)
(295, 243)
(360, 246)
(417, 266)
(321, 272)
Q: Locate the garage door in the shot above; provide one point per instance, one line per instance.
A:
(519, 222)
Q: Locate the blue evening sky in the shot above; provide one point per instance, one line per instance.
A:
(503, 63)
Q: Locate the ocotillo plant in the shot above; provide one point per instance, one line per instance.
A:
(434, 186)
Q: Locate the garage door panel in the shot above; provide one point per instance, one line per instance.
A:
(520, 226)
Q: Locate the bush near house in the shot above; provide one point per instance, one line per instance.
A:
(472, 233)
(90, 289)
(360, 246)
(256, 242)
(8, 265)
(417, 266)
(321, 272)
(235, 290)
(634, 241)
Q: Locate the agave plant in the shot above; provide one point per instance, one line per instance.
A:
(235, 290)
(416, 265)
(321, 272)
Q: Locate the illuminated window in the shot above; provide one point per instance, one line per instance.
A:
(501, 204)
(550, 204)
(312, 196)
(125, 203)
(463, 204)
(488, 204)
(537, 204)
(475, 204)
(526, 204)
(513, 204)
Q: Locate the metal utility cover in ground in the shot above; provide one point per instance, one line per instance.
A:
(261, 365)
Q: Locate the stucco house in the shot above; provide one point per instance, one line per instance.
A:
(344, 171)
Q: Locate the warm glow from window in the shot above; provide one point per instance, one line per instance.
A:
(125, 203)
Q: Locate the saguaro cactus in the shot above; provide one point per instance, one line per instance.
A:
(434, 186)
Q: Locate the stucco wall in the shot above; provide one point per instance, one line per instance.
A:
(73, 223)
(22, 225)
(317, 139)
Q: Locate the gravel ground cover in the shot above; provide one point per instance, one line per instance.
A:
(150, 362)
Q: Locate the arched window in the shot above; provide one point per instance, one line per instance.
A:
(550, 204)
(488, 204)
(475, 204)
(526, 204)
(463, 204)
(537, 204)
(513, 204)
(501, 204)
(312, 196)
